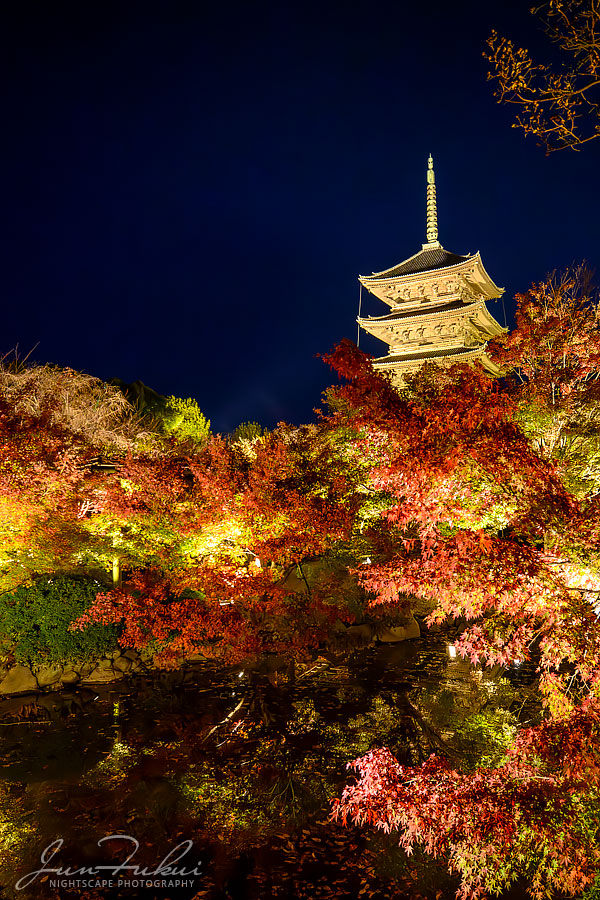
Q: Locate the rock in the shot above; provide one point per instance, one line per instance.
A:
(84, 669)
(327, 575)
(123, 664)
(134, 654)
(360, 634)
(104, 664)
(48, 675)
(406, 632)
(69, 677)
(195, 657)
(100, 675)
(19, 680)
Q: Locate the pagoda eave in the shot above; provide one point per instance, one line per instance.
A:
(469, 273)
(405, 364)
(439, 311)
(435, 327)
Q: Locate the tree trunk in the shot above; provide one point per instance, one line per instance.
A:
(116, 571)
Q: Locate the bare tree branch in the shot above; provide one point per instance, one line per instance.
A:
(561, 108)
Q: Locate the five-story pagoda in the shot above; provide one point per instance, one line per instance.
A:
(437, 303)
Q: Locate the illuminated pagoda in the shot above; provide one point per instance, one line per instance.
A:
(437, 303)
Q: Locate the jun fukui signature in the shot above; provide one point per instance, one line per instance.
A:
(167, 866)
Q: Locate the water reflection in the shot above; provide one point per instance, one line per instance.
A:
(244, 762)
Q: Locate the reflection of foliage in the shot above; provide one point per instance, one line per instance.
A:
(476, 724)
(486, 735)
(35, 621)
(429, 876)
(227, 799)
(17, 831)
(268, 771)
(291, 766)
(534, 816)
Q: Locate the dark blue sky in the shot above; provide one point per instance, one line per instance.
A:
(191, 190)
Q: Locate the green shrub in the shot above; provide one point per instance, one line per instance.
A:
(247, 431)
(35, 619)
(593, 892)
(183, 420)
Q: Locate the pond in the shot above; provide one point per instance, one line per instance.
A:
(241, 762)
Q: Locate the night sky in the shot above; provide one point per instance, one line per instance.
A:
(190, 191)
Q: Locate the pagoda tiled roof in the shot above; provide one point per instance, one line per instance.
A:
(423, 261)
(427, 354)
(433, 307)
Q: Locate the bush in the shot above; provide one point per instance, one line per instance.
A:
(80, 404)
(35, 619)
(183, 420)
(247, 431)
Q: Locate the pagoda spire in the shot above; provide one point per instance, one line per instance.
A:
(432, 223)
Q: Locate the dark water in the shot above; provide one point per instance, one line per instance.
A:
(242, 761)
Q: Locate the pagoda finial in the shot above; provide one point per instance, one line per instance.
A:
(432, 224)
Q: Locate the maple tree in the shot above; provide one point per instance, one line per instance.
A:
(56, 426)
(209, 536)
(204, 529)
(474, 519)
(468, 505)
(40, 478)
(560, 105)
(445, 490)
(535, 816)
(552, 360)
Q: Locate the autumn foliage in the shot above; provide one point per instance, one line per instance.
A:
(478, 497)
(200, 534)
(535, 817)
(497, 529)
(477, 521)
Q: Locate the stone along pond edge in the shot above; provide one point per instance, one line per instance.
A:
(115, 665)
